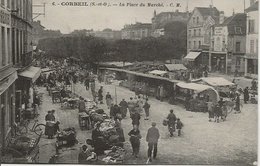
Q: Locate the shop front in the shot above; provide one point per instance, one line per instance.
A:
(24, 90)
(251, 66)
(7, 104)
(218, 62)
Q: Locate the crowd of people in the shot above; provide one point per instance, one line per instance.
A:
(66, 76)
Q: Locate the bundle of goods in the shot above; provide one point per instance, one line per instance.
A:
(165, 122)
(67, 137)
(114, 155)
(110, 133)
(98, 115)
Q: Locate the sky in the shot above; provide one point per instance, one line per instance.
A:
(68, 18)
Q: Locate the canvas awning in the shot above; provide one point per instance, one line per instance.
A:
(32, 73)
(192, 56)
(158, 72)
(217, 81)
(193, 86)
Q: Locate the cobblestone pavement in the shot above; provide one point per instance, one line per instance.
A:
(233, 142)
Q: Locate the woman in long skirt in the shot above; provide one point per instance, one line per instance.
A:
(108, 100)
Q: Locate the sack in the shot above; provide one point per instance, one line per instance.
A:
(165, 122)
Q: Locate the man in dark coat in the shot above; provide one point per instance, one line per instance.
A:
(112, 111)
(135, 137)
(49, 129)
(100, 95)
(81, 105)
(117, 113)
(123, 106)
(87, 83)
(171, 122)
(146, 109)
(135, 119)
(246, 95)
(152, 138)
(98, 141)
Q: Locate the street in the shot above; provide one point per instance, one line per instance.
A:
(233, 142)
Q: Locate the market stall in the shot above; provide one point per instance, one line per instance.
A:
(196, 96)
(108, 142)
(222, 86)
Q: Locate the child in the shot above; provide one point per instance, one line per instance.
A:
(179, 125)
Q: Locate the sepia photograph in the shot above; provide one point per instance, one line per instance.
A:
(129, 82)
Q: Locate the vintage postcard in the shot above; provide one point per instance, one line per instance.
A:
(129, 82)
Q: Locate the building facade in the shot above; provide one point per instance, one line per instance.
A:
(199, 25)
(136, 31)
(162, 20)
(8, 74)
(199, 34)
(228, 44)
(251, 56)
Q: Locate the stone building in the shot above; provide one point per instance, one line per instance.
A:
(228, 44)
(199, 33)
(8, 74)
(136, 31)
(163, 20)
(251, 56)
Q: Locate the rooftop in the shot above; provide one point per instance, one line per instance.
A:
(253, 7)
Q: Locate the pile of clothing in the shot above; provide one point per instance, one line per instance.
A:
(114, 155)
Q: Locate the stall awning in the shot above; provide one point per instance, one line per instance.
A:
(192, 56)
(192, 86)
(32, 73)
(158, 72)
(217, 81)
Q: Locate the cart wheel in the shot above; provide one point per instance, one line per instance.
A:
(39, 129)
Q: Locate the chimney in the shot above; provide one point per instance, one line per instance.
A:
(221, 17)
(154, 13)
(252, 2)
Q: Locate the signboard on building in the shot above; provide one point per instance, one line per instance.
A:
(5, 17)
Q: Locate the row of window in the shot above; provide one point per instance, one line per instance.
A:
(253, 46)
(5, 48)
(251, 26)
(195, 32)
(11, 38)
(195, 20)
(194, 44)
(23, 8)
(6, 3)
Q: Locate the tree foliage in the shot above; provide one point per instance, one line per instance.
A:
(93, 49)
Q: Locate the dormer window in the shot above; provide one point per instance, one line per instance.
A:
(238, 30)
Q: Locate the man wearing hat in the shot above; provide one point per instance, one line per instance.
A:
(152, 138)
